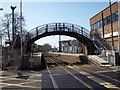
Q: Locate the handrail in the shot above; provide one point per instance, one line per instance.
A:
(59, 26)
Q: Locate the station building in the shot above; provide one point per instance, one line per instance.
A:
(101, 23)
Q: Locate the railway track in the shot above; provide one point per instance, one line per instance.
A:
(60, 63)
(75, 77)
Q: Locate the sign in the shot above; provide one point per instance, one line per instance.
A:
(108, 53)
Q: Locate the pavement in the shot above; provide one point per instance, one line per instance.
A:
(28, 80)
(101, 77)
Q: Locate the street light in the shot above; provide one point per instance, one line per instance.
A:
(1, 9)
(13, 27)
(13, 38)
(21, 27)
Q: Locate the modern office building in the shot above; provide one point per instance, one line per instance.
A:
(108, 29)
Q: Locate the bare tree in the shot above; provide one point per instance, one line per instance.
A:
(7, 25)
(6, 22)
(46, 47)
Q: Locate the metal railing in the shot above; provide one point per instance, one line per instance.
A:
(101, 41)
(63, 27)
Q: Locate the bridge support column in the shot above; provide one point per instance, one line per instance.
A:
(90, 48)
(85, 51)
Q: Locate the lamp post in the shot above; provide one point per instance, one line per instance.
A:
(1, 9)
(21, 27)
(13, 27)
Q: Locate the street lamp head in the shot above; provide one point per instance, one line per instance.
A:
(1, 9)
(13, 7)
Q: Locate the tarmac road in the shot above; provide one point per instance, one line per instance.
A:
(59, 76)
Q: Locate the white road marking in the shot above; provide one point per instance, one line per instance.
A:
(53, 80)
(104, 76)
(76, 78)
(100, 81)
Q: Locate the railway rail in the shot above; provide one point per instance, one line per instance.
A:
(75, 77)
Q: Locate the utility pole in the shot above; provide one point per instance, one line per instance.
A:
(21, 27)
(111, 25)
(103, 24)
(119, 26)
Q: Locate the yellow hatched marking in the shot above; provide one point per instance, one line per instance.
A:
(84, 73)
(30, 82)
(2, 84)
(56, 74)
(112, 86)
(23, 86)
(107, 71)
(13, 79)
(16, 79)
(90, 76)
(3, 77)
(109, 85)
(105, 84)
(9, 84)
(32, 75)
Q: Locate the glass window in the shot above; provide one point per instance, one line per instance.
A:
(100, 23)
(108, 19)
(113, 17)
(105, 21)
(91, 27)
(95, 25)
(116, 16)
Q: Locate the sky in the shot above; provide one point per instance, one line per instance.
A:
(39, 13)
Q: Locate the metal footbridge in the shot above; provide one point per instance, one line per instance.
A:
(68, 29)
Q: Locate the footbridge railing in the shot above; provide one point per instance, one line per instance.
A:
(59, 27)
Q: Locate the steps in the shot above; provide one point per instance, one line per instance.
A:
(98, 61)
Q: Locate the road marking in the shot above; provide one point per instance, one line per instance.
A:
(107, 71)
(56, 74)
(109, 85)
(79, 79)
(33, 81)
(104, 76)
(22, 86)
(76, 78)
(53, 80)
(98, 80)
